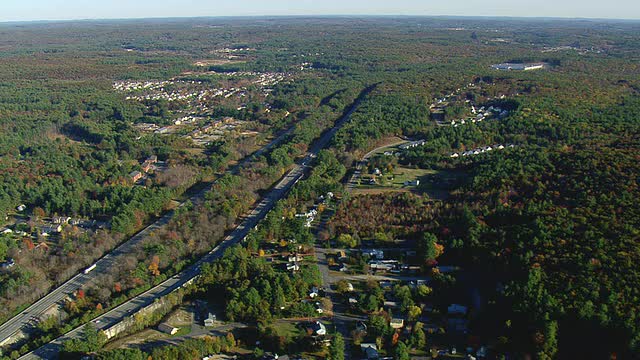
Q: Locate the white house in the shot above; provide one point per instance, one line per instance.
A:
(319, 328)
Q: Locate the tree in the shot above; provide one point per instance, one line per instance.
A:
(336, 350)
(91, 340)
(123, 354)
(414, 312)
(378, 326)
(347, 241)
(428, 248)
(424, 291)
(418, 337)
(154, 265)
(401, 351)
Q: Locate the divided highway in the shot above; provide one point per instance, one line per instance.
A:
(116, 315)
(27, 318)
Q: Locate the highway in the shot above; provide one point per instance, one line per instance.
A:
(116, 315)
(30, 316)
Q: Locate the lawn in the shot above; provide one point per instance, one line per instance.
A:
(432, 182)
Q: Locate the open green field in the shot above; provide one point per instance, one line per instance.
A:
(431, 182)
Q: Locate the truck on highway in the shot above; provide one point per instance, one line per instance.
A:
(88, 270)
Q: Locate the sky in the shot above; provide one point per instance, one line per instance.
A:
(27, 10)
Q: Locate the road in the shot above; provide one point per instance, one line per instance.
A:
(342, 321)
(116, 315)
(30, 316)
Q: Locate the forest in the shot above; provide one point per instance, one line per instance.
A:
(552, 218)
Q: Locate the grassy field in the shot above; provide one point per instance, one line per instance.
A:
(432, 182)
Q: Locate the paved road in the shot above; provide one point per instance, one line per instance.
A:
(342, 321)
(116, 315)
(30, 316)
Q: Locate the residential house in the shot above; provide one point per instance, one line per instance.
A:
(318, 328)
(146, 166)
(374, 253)
(412, 183)
(135, 176)
(370, 350)
(50, 229)
(210, 320)
(313, 293)
(412, 144)
(293, 267)
(21, 208)
(350, 287)
(397, 323)
(61, 220)
(383, 265)
(6, 265)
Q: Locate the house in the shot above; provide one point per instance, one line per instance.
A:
(455, 309)
(390, 304)
(6, 231)
(50, 229)
(350, 287)
(313, 293)
(342, 255)
(397, 323)
(167, 329)
(61, 220)
(294, 258)
(383, 265)
(146, 166)
(482, 352)
(210, 320)
(370, 350)
(318, 328)
(152, 159)
(412, 144)
(135, 176)
(293, 267)
(21, 208)
(270, 356)
(361, 326)
(374, 253)
(343, 268)
(7, 264)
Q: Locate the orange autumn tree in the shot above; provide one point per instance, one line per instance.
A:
(154, 265)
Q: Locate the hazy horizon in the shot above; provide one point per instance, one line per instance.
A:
(56, 10)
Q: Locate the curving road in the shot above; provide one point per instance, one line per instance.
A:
(30, 316)
(116, 315)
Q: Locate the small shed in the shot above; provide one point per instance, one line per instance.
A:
(168, 329)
